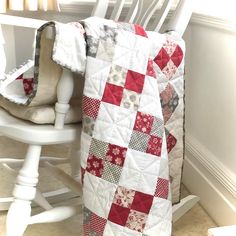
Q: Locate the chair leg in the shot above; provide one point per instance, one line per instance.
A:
(75, 160)
(24, 192)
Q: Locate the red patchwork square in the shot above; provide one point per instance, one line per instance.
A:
(150, 70)
(143, 122)
(171, 142)
(154, 145)
(162, 188)
(177, 56)
(95, 166)
(118, 214)
(162, 58)
(134, 81)
(112, 94)
(90, 106)
(167, 113)
(116, 154)
(97, 224)
(142, 202)
(28, 85)
(140, 31)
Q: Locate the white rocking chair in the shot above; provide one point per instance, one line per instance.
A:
(35, 136)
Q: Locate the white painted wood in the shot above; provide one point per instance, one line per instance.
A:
(178, 210)
(145, 18)
(5, 203)
(60, 195)
(132, 11)
(18, 217)
(214, 22)
(53, 197)
(65, 178)
(41, 200)
(215, 39)
(43, 134)
(181, 16)
(100, 8)
(75, 160)
(223, 231)
(140, 9)
(21, 21)
(64, 93)
(117, 10)
(9, 78)
(24, 192)
(56, 214)
(16, 162)
(220, 172)
(162, 14)
(215, 197)
(2, 56)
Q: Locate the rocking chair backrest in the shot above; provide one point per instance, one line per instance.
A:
(141, 12)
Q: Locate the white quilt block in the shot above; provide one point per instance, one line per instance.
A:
(114, 126)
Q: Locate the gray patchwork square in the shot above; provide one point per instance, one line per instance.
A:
(130, 100)
(98, 148)
(108, 34)
(157, 127)
(111, 172)
(126, 26)
(88, 125)
(117, 75)
(139, 141)
(105, 50)
(92, 46)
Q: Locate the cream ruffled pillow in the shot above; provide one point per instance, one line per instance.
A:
(42, 114)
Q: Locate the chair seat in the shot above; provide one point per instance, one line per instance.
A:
(22, 131)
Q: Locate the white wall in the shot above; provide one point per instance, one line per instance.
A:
(211, 92)
(210, 165)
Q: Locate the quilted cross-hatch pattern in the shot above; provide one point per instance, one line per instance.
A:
(129, 98)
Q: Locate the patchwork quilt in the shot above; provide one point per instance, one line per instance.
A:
(132, 136)
(132, 127)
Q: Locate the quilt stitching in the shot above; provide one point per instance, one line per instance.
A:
(129, 85)
(145, 135)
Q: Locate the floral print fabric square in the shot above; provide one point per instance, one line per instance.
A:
(117, 75)
(124, 197)
(136, 220)
(116, 154)
(130, 100)
(143, 123)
